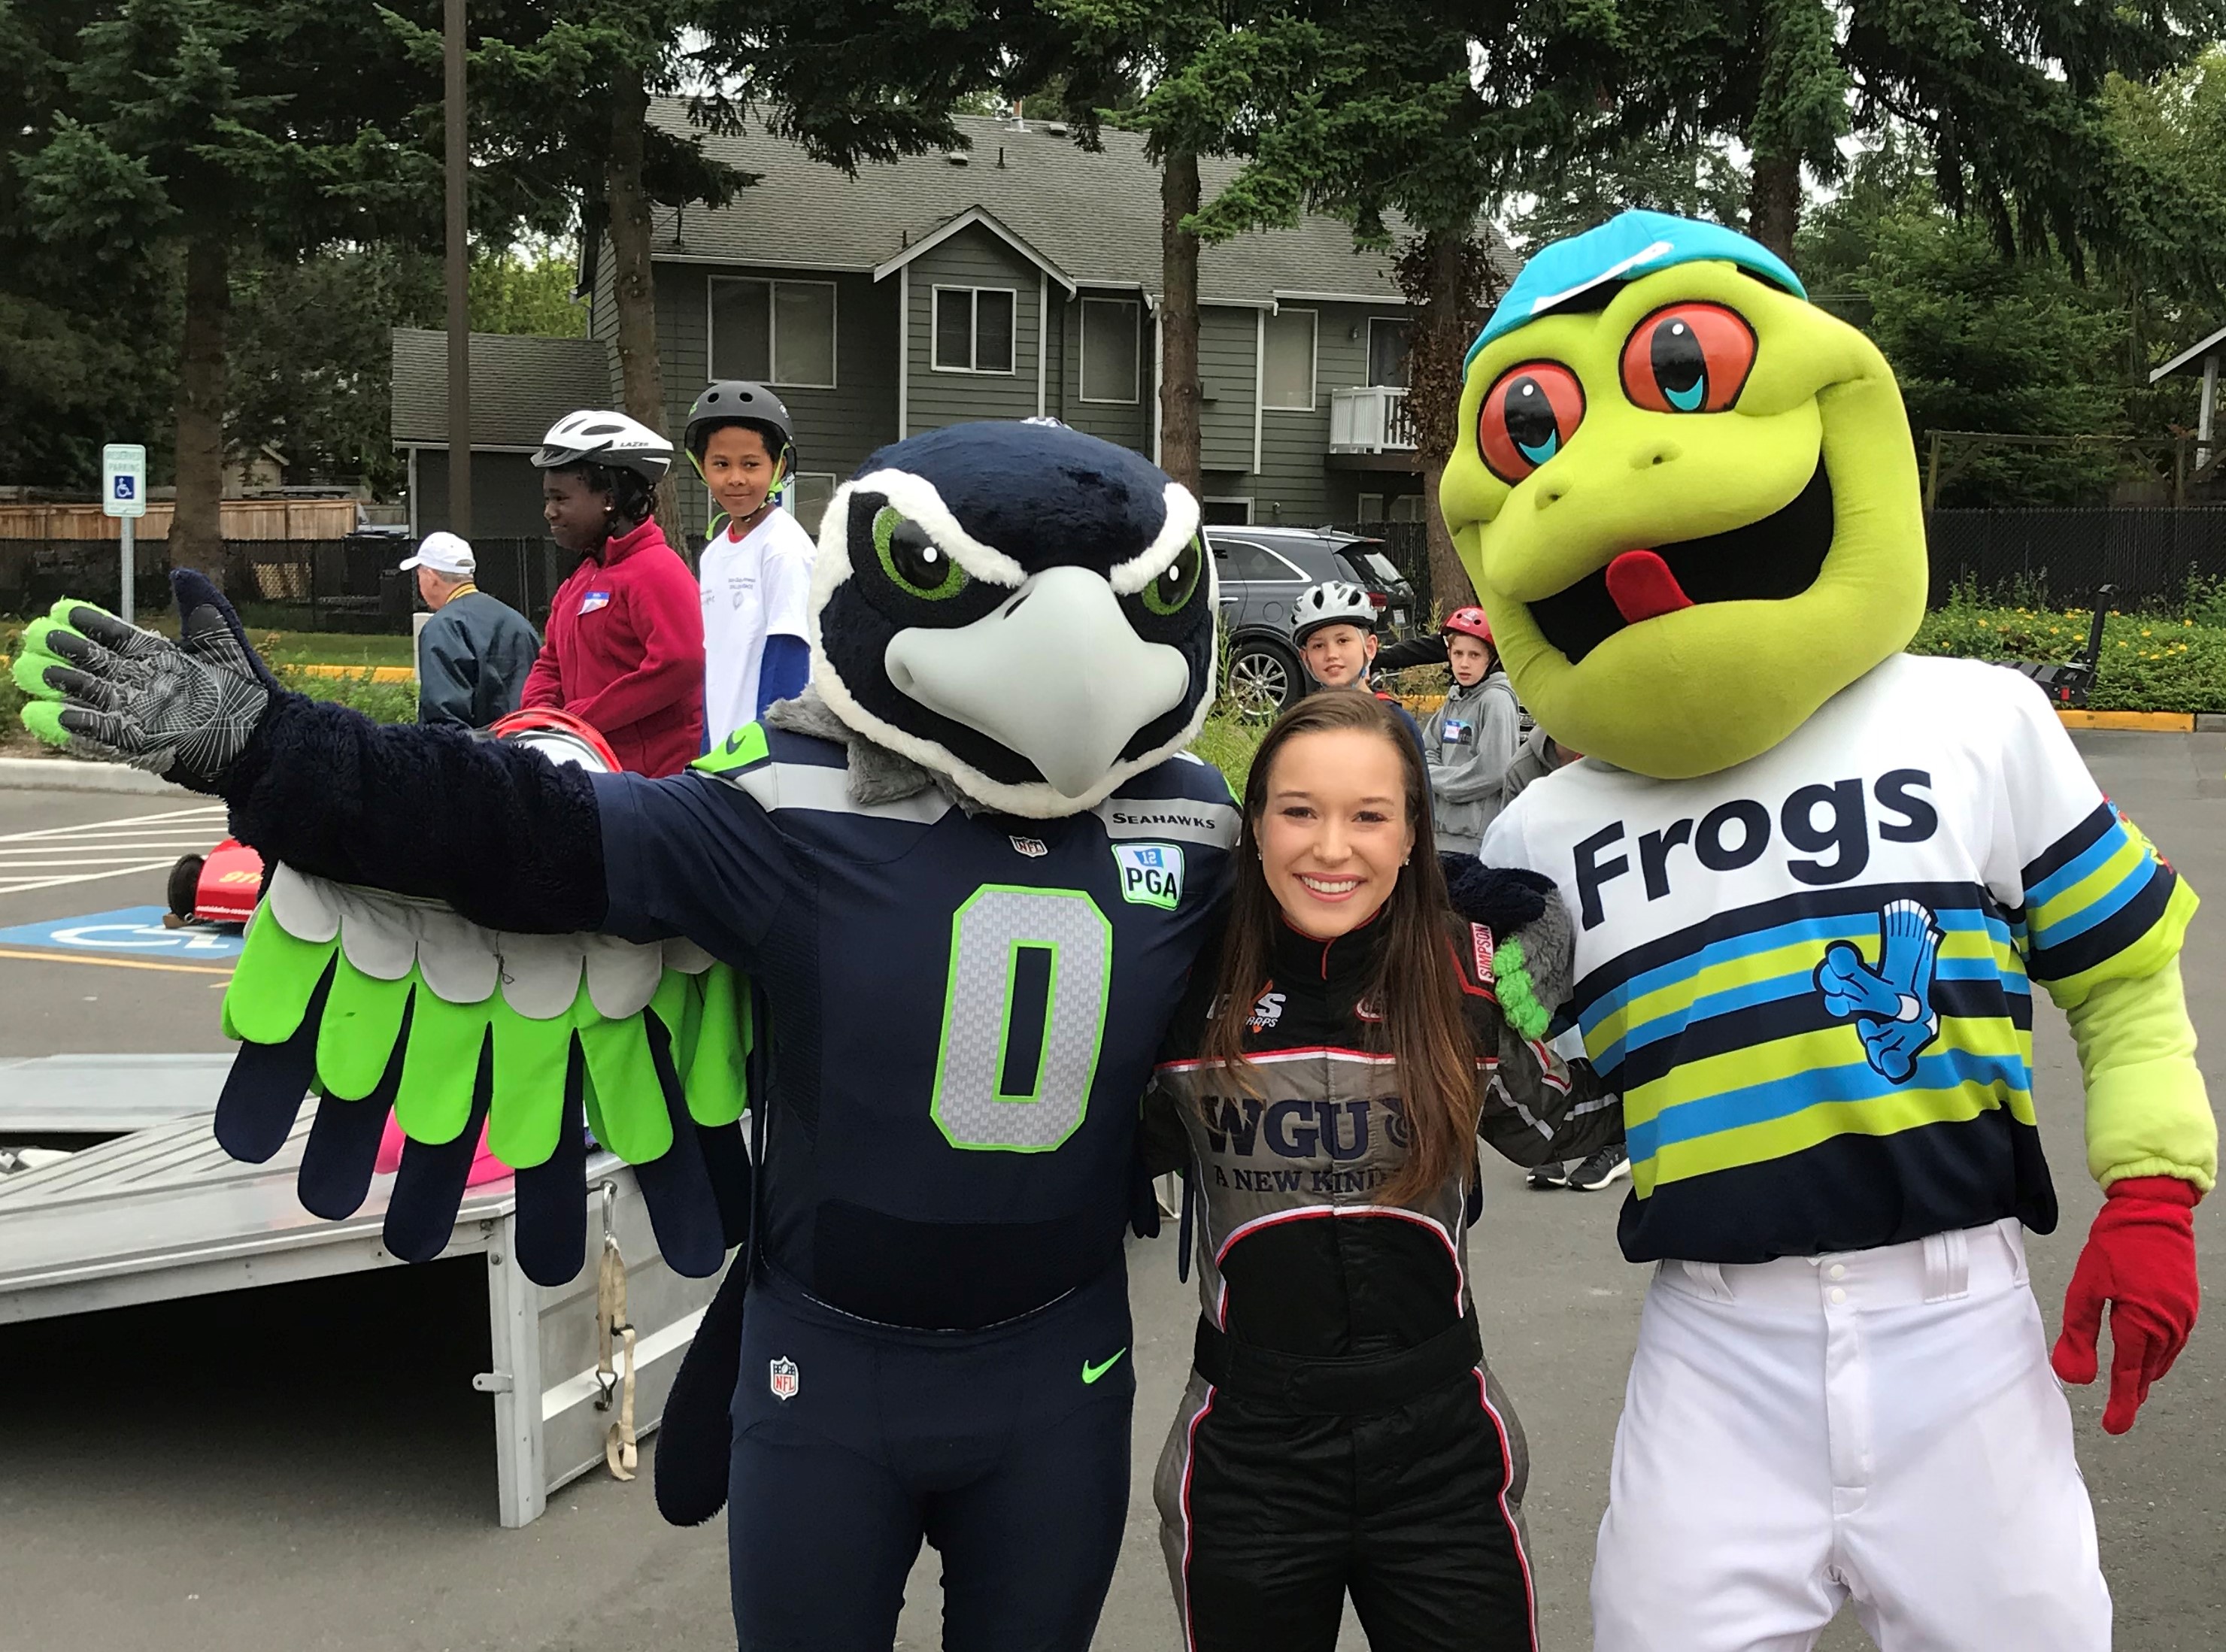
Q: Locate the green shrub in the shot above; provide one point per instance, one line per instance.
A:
(1228, 743)
(11, 697)
(2148, 663)
(386, 702)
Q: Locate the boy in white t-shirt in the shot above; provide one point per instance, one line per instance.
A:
(756, 569)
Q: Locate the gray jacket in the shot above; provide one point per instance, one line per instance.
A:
(472, 661)
(1467, 743)
(1537, 757)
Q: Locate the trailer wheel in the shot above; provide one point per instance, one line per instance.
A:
(185, 886)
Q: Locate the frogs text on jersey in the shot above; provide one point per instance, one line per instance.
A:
(1826, 830)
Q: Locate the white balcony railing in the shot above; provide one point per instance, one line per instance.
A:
(1370, 418)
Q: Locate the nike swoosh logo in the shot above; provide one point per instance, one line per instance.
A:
(1091, 1373)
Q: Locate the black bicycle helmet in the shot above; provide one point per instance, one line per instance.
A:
(737, 401)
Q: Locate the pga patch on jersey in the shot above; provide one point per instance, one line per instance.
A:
(785, 1380)
(1151, 874)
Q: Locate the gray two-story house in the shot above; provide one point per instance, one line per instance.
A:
(1020, 276)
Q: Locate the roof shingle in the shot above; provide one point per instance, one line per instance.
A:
(520, 387)
(1096, 215)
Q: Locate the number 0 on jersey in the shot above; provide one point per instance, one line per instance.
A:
(1023, 1017)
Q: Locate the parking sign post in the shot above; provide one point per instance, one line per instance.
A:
(123, 494)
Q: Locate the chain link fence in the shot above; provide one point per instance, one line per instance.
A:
(2051, 556)
(350, 585)
(2149, 554)
(2066, 556)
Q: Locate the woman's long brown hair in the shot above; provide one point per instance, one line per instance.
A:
(1415, 982)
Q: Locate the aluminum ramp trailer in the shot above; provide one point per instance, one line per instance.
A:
(105, 1095)
(163, 1213)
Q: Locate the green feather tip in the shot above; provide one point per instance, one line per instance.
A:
(1518, 1000)
(44, 719)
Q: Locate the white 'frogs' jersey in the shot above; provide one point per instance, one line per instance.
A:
(1809, 974)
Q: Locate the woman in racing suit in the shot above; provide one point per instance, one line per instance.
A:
(1323, 1088)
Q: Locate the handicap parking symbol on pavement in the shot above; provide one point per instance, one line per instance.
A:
(136, 930)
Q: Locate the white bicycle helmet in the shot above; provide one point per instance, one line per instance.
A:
(596, 436)
(1334, 602)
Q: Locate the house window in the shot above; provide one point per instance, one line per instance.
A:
(1407, 507)
(1289, 371)
(1109, 328)
(1387, 353)
(809, 495)
(973, 329)
(1371, 508)
(1224, 512)
(774, 331)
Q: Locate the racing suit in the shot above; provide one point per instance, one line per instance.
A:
(1341, 1430)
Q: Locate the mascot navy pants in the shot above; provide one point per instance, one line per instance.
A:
(1007, 1448)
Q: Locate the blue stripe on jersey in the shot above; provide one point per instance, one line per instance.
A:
(1855, 922)
(2006, 1075)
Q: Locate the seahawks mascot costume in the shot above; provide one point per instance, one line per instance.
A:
(1816, 881)
(963, 880)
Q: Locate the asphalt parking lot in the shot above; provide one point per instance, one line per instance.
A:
(307, 1467)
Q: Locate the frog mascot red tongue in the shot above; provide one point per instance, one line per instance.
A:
(1816, 879)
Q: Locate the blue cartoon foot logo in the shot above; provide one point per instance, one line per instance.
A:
(1892, 1005)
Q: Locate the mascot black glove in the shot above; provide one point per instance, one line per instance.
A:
(105, 690)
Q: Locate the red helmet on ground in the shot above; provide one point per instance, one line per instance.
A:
(559, 736)
(1470, 622)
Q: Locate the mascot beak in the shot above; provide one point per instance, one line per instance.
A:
(1056, 673)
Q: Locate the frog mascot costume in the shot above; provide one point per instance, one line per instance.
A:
(1816, 880)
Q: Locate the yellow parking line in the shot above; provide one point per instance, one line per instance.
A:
(114, 963)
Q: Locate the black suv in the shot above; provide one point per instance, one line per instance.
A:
(1263, 572)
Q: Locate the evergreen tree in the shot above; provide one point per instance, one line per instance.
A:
(200, 130)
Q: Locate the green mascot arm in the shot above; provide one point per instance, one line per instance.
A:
(2147, 1111)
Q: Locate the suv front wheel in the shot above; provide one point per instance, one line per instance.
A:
(1263, 679)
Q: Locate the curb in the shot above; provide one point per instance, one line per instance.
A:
(2144, 722)
(75, 774)
(376, 673)
(2149, 722)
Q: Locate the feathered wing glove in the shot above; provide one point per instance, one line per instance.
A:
(111, 691)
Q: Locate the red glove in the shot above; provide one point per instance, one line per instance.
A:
(2140, 1258)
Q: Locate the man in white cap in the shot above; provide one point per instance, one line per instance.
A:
(474, 653)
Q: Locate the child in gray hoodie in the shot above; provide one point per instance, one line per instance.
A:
(1469, 740)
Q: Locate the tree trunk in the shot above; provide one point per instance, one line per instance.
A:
(1179, 396)
(197, 526)
(633, 285)
(1446, 327)
(1445, 275)
(1773, 203)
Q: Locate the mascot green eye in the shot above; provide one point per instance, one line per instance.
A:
(1178, 580)
(920, 566)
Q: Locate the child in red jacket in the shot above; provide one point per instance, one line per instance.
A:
(624, 648)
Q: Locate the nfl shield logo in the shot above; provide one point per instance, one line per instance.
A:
(1031, 846)
(785, 1382)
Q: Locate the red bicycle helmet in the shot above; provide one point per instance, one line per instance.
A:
(1470, 622)
(559, 736)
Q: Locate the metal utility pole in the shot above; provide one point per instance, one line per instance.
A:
(459, 303)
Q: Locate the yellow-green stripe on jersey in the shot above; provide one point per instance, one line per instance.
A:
(1840, 1068)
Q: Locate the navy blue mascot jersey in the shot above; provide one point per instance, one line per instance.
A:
(964, 1008)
